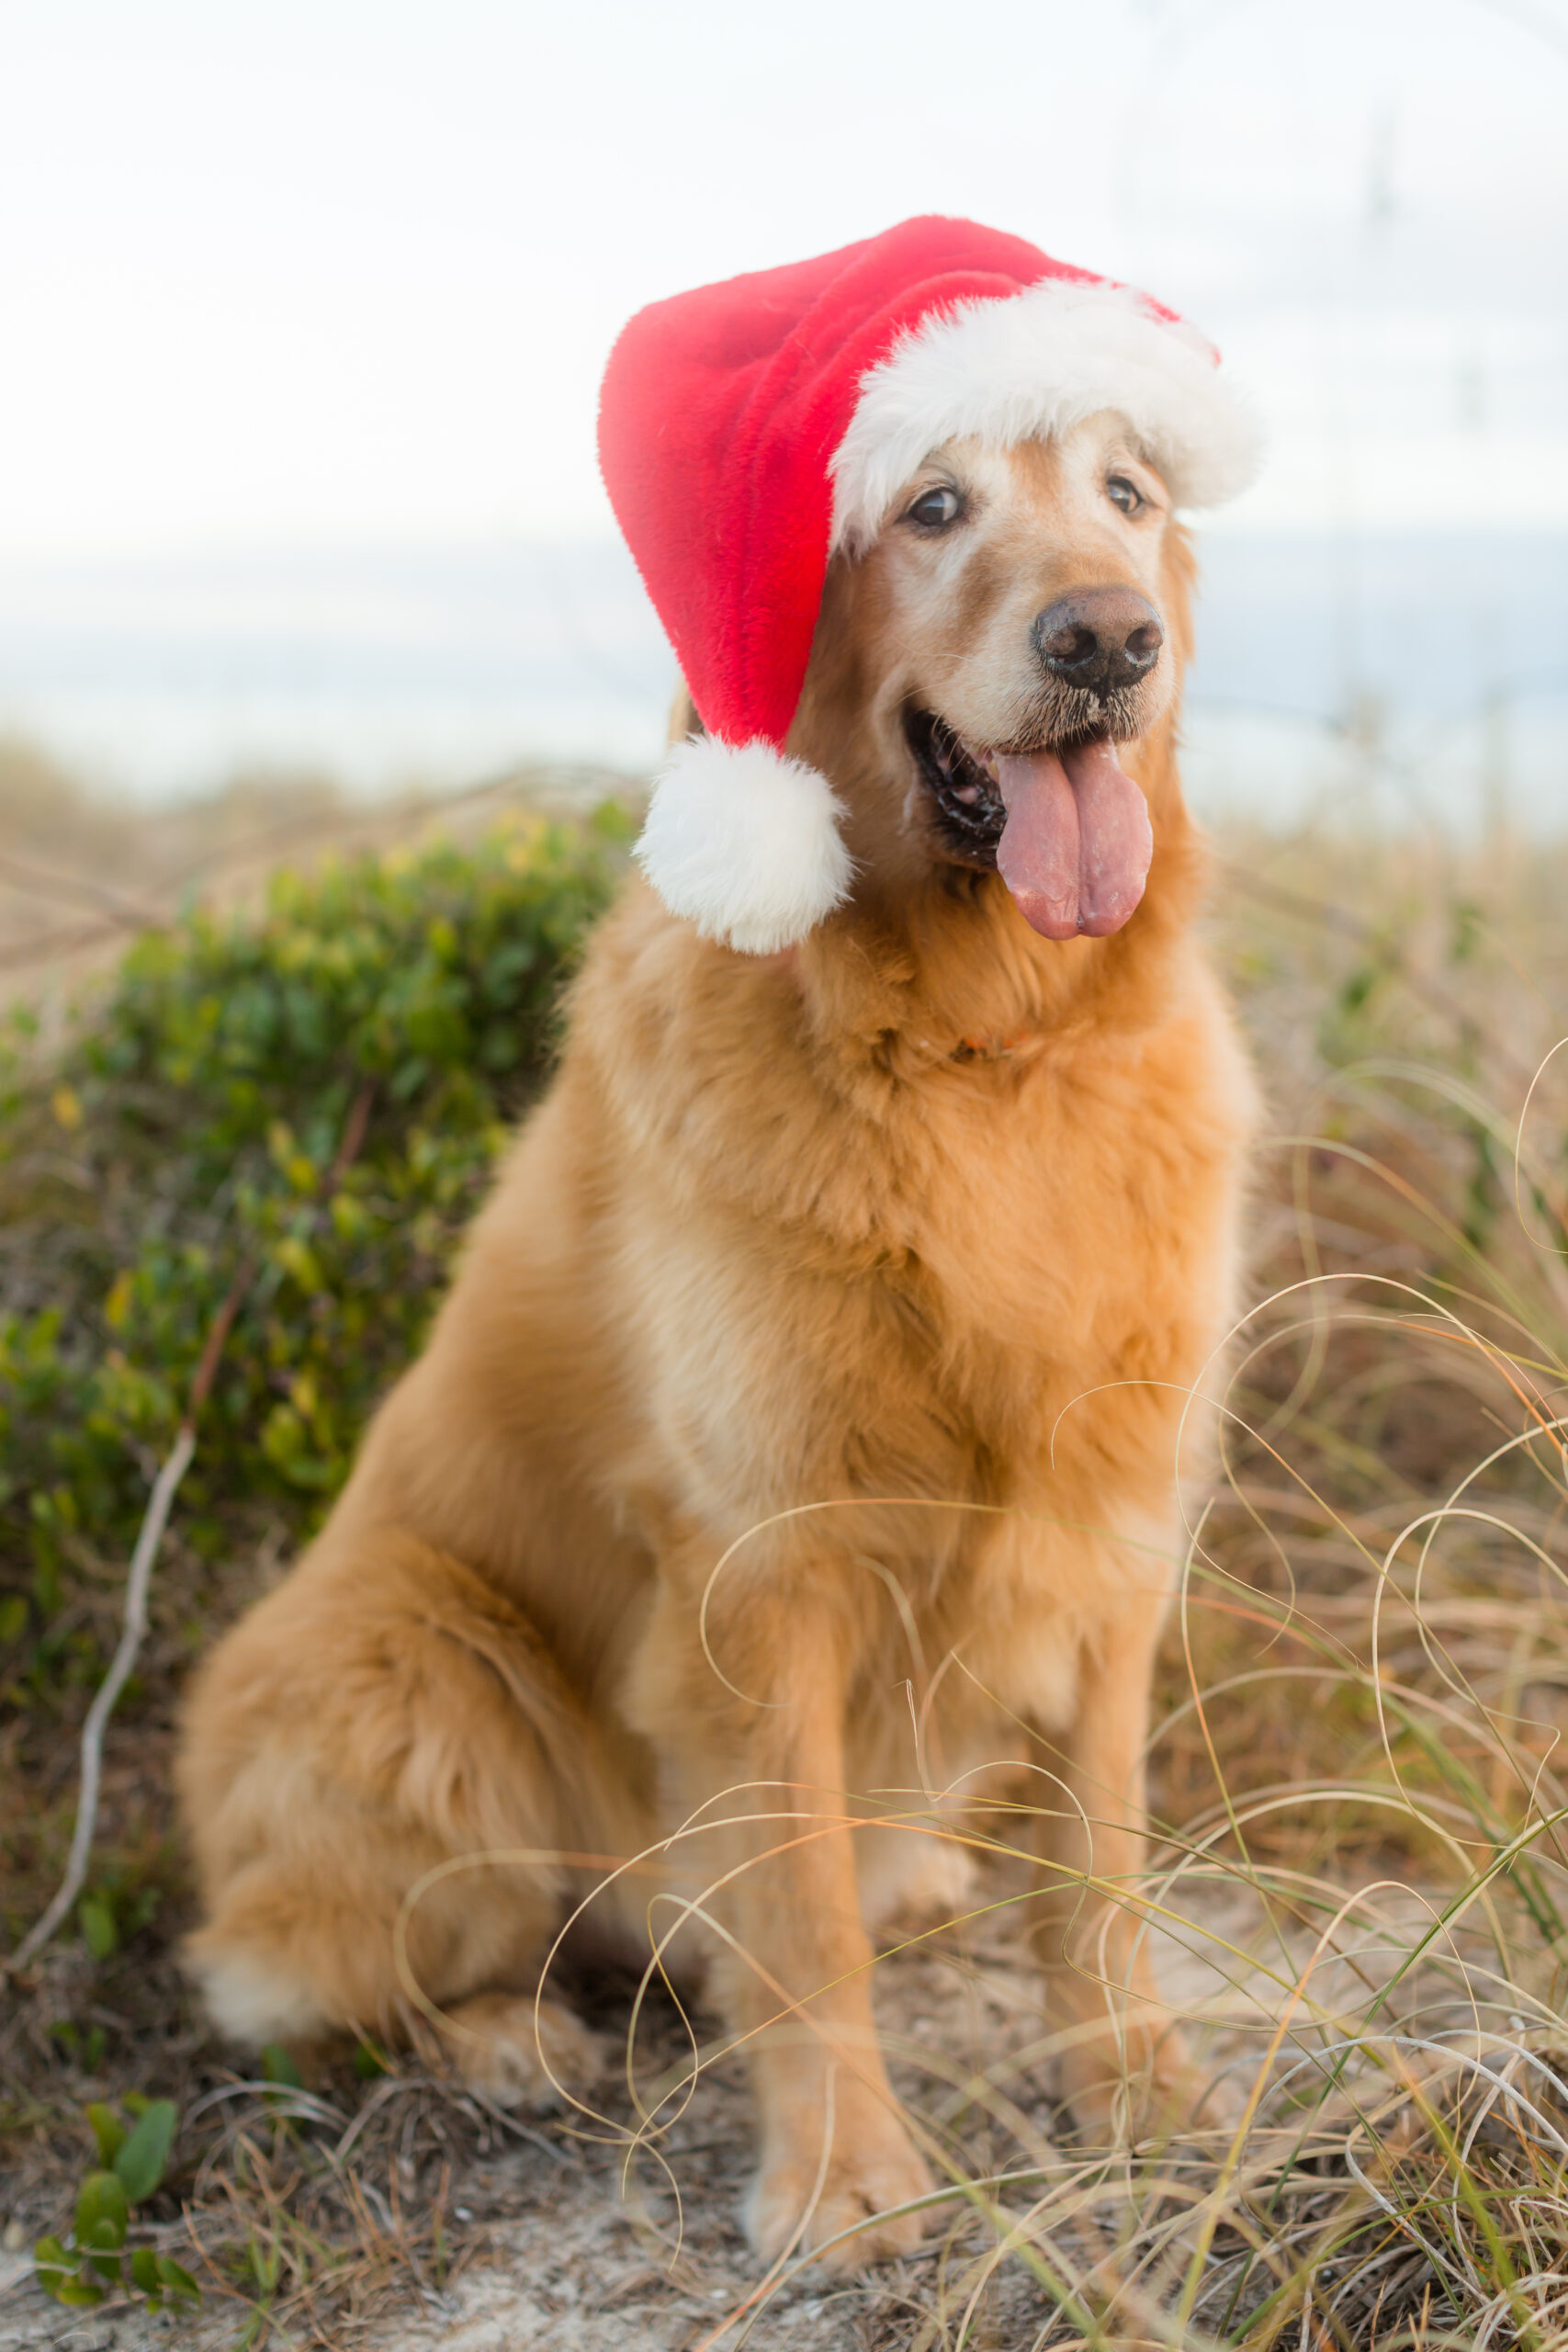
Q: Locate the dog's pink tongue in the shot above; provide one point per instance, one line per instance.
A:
(1116, 839)
(1074, 850)
(1038, 854)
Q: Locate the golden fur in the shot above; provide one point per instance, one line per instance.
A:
(928, 1207)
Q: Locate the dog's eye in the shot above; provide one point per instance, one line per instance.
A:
(935, 509)
(1124, 494)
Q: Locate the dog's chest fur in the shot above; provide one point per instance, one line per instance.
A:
(747, 1262)
(987, 1280)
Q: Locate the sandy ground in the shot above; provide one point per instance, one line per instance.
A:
(567, 2249)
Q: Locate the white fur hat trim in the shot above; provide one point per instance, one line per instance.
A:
(1016, 368)
(745, 843)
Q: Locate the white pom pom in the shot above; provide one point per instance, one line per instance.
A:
(745, 843)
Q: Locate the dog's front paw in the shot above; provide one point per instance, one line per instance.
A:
(520, 2054)
(1130, 2076)
(800, 2206)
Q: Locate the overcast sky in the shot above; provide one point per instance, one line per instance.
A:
(321, 272)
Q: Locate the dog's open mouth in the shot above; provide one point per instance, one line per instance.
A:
(1066, 827)
(970, 811)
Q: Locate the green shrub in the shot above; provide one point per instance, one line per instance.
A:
(297, 1108)
(132, 2158)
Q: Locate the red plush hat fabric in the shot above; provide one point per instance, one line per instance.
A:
(720, 416)
(747, 427)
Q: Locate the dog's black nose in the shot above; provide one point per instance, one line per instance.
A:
(1100, 639)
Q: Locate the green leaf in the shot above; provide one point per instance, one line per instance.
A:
(107, 2130)
(369, 2062)
(13, 1616)
(79, 2292)
(176, 2280)
(280, 2068)
(98, 1927)
(296, 1257)
(52, 2265)
(102, 2212)
(139, 2164)
(144, 2271)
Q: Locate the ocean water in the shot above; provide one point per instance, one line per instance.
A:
(1419, 676)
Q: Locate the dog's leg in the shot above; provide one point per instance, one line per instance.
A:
(1087, 1929)
(303, 1956)
(793, 1976)
(383, 1720)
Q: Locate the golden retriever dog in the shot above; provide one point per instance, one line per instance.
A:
(932, 1209)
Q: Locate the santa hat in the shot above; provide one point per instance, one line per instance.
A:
(749, 429)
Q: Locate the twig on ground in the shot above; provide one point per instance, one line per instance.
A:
(164, 1487)
(144, 1558)
(138, 1586)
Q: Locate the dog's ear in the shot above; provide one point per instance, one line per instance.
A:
(1179, 586)
(683, 720)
